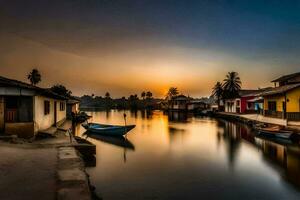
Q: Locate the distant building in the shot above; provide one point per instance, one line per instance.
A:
(72, 106)
(26, 109)
(197, 105)
(283, 101)
(179, 102)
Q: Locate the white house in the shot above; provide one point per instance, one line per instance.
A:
(26, 109)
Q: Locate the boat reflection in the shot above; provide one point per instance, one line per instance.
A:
(119, 141)
(283, 156)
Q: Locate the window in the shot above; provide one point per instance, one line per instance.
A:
(272, 105)
(46, 107)
(238, 103)
(62, 106)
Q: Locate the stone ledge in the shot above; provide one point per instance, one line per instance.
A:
(72, 179)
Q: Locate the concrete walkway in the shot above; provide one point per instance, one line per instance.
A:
(27, 173)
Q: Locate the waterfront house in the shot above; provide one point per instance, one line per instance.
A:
(179, 103)
(26, 109)
(197, 105)
(72, 106)
(283, 101)
(242, 103)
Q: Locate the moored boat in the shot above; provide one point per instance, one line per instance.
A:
(105, 129)
(275, 133)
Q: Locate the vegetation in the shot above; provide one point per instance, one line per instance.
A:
(61, 90)
(34, 77)
(173, 92)
(229, 89)
(132, 102)
(232, 85)
(218, 92)
(143, 95)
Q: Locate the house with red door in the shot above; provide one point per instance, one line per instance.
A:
(248, 101)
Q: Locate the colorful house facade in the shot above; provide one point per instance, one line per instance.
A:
(26, 109)
(243, 103)
(283, 101)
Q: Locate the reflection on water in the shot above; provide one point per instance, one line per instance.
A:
(120, 141)
(177, 155)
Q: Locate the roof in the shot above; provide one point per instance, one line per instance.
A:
(19, 84)
(286, 77)
(244, 93)
(73, 100)
(280, 90)
(181, 97)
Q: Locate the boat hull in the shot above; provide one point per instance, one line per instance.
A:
(111, 130)
(282, 135)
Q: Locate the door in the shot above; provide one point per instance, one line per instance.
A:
(55, 113)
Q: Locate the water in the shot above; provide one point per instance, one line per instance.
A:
(180, 156)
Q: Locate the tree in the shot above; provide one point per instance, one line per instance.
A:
(34, 77)
(107, 95)
(149, 95)
(173, 92)
(232, 85)
(143, 95)
(218, 92)
(61, 90)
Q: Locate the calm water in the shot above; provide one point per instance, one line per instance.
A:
(186, 157)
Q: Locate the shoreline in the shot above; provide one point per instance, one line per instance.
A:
(248, 119)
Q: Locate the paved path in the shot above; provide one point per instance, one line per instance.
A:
(27, 172)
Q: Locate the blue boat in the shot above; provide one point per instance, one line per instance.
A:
(105, 129)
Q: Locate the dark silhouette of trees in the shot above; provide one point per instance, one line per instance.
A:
(218, 92)
(107, 95)
(149, 95)
(232, 85)
(61, 90)
(172, 92)
(34, 77)
(143, 95)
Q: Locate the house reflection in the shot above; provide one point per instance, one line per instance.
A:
(177, 116)
(176, 134)
(284, 158)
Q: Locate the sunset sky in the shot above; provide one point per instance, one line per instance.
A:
(127, 46)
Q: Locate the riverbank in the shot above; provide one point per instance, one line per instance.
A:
(50, 168)
(255, 118)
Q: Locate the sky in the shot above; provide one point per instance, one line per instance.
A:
(128, 46)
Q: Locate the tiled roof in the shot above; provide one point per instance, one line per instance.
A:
(19, 84)
(280, 90)
(286, 77)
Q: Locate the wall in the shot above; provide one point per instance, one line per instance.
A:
(278, 99)
(23, 130)
(294, 100)
(43, 121)
(61, 115)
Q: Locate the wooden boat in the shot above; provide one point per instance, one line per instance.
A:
(105, 129)
(274, 132)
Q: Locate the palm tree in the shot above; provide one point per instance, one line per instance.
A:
(173, 92)
(232, 84)
(149, 95)
(34, 77)
(143, 95)
(218, 92)
(107, 95)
